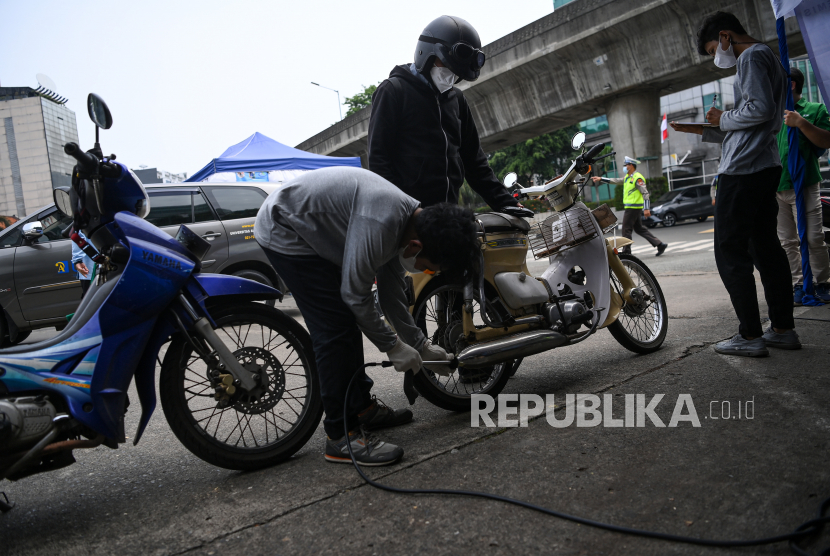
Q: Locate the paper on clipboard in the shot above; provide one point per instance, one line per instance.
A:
(693, 123)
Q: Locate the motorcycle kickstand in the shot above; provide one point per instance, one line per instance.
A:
(6, 506)
(515, 366)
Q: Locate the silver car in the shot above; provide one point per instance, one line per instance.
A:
(39, 287)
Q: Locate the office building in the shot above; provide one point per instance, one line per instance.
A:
(33, 129)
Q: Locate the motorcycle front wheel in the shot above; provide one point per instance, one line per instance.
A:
(641, 328)
(438, 312)
(250, 430)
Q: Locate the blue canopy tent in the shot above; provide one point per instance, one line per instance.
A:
(259, 153)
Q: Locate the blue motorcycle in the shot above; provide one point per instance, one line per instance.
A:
(238, 382)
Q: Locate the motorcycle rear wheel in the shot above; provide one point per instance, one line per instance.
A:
(452, 392)
(258, 429)
(642, 329)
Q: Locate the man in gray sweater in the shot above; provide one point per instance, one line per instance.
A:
(746, 212)
(329, 233)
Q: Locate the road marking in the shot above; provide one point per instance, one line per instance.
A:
(687, 244)
(699, 247)
(671, 246)
(712, 231)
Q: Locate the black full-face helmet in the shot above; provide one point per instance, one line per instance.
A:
(453, 41)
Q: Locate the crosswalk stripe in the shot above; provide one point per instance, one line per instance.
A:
(688, 244)
(669, 248)
(697, 248)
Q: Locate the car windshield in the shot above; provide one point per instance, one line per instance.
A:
(668, 196)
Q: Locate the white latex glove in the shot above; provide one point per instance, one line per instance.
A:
(432, 352)
(404, 357)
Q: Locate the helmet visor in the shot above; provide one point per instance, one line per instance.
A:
(466, 54)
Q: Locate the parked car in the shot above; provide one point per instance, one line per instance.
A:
(39, 287)
(683, 204)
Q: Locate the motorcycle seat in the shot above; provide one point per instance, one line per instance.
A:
(495, 222)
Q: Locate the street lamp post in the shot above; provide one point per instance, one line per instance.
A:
(338, 97)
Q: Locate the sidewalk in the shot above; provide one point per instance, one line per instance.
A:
(728, 479)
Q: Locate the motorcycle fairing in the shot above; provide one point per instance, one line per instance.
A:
(592, 257)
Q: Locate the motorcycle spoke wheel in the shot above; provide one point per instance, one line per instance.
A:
(438, 311)
(641, 328)
(252, 428)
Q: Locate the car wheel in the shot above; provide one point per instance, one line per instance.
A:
(669, 220)
(702, 218)
(257, 276)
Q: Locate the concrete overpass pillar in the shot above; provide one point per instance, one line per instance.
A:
(634, 123)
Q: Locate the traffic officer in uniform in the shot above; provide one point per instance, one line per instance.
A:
(636, 201)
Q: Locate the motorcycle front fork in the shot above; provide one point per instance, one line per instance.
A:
(621, 273)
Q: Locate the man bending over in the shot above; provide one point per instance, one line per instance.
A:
(328, 234)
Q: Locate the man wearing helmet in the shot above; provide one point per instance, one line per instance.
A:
(422, 136)
(636, 202)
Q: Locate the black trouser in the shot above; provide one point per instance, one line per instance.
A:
(746, 220)
(633, 222)
(338, 342)
(85, 287)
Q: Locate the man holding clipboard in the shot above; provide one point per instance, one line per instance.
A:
(746, 212)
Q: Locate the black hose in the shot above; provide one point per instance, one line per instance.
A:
(807, 529)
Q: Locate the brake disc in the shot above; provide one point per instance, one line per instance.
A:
(270, 378)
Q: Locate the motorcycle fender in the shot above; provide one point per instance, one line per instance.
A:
(219, 285)
(145, 374)
(618, 242)
(419, 282)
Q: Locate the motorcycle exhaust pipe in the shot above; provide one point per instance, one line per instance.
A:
(510, 347)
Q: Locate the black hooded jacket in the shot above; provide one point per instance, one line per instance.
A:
(427, 143)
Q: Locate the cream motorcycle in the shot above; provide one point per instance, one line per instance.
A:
(504, 313)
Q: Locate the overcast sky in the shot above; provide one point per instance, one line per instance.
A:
(187, 79)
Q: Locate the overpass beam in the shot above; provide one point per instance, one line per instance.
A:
(634, 123)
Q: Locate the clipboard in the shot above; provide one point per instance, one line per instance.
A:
(693, 123)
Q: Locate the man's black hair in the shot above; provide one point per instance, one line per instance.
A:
(448, 234)
(713, 25)
(798, 79)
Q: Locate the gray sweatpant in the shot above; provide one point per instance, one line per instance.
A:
(788, 234)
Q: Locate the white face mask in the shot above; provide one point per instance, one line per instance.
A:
(725, 59)
(443, 78)
(408, 263)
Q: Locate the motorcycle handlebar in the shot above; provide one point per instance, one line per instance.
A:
(89, 162)
(86, 160)
(593, 151)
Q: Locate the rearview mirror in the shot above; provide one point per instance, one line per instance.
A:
(578, 140)
(62, 200)
(510, 180)
(32, 230)
(99, 113)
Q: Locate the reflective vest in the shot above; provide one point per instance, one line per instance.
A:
(632, 198)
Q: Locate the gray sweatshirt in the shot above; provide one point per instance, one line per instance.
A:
(355, 219)
(748, 132)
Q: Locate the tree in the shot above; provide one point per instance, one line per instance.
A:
(361, 100)
(546, 155)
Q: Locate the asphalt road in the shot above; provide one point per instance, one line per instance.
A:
(729, 479)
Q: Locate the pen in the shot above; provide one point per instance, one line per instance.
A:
(714, 100)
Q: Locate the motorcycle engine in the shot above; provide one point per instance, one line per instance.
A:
(569, 315)
(24, 420)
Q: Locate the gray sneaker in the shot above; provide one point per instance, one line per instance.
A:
(368, 450)
(738, 345)
(787, 340)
